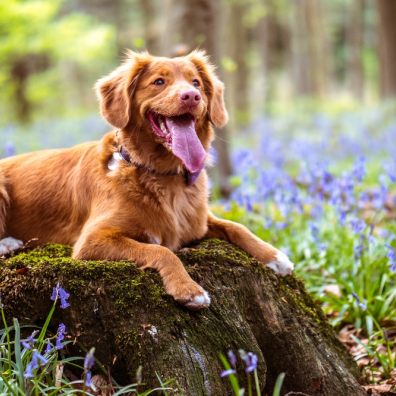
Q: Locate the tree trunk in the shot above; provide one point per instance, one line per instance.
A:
(387, 47)
(196, 24)
(309, 48)
(151, 31)
(355, 31)
(239, 50)
(126, 315)
(273, 41)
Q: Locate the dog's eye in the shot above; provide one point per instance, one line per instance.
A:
(196, 83)
(159, 81)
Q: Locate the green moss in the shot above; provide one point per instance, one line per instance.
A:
(218, 251)
(295, 293)
(55, 263)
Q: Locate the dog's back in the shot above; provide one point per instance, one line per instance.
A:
(39, 197)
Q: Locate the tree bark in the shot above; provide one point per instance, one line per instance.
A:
(273, 41)
(151, 31)
(126, 315)
(309, 48)
(355, 39)
(387, 47)
(239, 51)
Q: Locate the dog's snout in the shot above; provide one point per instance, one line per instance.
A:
(190, 98)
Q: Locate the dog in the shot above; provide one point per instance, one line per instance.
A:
(140, 193)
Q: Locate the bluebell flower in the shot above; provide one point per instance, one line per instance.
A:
(357, 225)
(342, 217)
(63, 295)
(361, 304)
(37, 360)
(60, 337)
(250, 360)
(29, 371)
(314, 232)
(232, 358)
(392, 257)
(359, 169)
(88, 379)
(48, 347)
(226, 373)
(89, 360)
(358, 251)
(28, 343)
(9, 149)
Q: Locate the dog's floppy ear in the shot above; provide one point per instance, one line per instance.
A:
(116, 90)
(214, 88)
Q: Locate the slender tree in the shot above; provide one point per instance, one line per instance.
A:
(387, 47)
(310, 62)
(273, 43)
(355, 36)
(150, 26)
(239, 51)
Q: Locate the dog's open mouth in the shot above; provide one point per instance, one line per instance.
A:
(178, 134)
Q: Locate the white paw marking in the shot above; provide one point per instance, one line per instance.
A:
(199, 302)
(9, 244)
(282, 265)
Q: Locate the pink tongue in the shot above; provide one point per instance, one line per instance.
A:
(185, 143)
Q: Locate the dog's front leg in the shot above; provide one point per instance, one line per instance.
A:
(112, 244)
(240, 236)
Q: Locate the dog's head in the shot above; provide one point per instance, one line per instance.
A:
(171, 101)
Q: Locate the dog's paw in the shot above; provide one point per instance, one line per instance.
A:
(9, 244)
(192, 296)
(281, 265)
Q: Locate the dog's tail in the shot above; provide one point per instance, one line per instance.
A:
(4, 203)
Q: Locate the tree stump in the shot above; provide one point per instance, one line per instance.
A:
(125, 314)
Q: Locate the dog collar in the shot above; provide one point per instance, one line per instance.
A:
(124, 155)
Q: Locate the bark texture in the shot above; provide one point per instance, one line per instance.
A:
(387, 47)
(126, 315)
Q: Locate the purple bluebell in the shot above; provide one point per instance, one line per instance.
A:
(37, 360)
(391, 255)
(250, 360)
(89, 360)
(60, 336)
(88, 379)
(361, 304)
(63, 295)
(226, 373)
(9, 149)
(359, 169)
(48, 347)
(28, 343)
(357, 225)
(314, 232)
(232, 358)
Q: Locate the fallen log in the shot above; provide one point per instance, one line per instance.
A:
(125, 314)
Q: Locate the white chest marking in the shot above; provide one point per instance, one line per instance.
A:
(114, 162)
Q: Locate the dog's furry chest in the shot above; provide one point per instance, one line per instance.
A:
(175, 216)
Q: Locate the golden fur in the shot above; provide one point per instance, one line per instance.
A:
(70, 196)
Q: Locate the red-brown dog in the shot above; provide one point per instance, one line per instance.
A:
(141, 192)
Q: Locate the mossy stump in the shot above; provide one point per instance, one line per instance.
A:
(126, 315)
